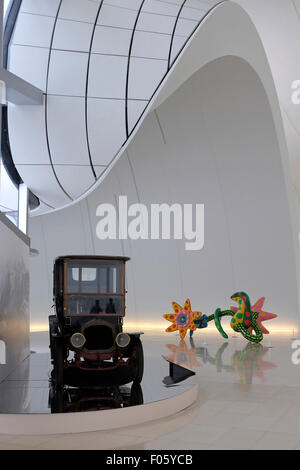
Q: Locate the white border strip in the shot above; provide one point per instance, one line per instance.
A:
(70, 423)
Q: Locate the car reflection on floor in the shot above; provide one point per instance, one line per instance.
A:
(72, 400)
(247, 363)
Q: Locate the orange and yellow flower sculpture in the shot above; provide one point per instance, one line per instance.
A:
(182, 319)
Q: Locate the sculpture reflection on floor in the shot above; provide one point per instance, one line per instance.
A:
(245, 319)
(72, 400)
(247, 363)
(181, 354)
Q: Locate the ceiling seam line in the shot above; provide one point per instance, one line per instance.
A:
(152, 13)
(173, 32)
(176, 57)
(87, 88)
(128, 67)
(46, 105)
(196, 27)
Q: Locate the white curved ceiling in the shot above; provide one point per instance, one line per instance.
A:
(99, 63)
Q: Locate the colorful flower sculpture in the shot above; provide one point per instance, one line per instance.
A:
(263, 316)
(182, 319)
(246, 320)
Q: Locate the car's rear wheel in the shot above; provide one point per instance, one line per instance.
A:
(137, 361)
(52, 333)
(56, 399)
(58, 363)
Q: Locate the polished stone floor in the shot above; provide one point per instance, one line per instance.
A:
(28, 388)
(249, 398)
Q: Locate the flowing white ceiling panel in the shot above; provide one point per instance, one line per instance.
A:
(99, 64)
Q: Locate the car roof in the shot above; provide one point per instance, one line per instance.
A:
(93, 258)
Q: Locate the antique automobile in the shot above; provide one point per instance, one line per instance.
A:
(87, 342)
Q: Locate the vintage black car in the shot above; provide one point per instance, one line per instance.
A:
(87, 342)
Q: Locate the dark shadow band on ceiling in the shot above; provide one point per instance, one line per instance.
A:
(11, 18)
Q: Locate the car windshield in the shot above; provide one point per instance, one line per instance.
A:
(91, 304)
(94, 287)
(95, 277)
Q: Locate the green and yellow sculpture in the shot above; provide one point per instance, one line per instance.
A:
(245, 319)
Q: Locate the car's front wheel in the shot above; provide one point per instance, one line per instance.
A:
(136, 395)
(137, 361)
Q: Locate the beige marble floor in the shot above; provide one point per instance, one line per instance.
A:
(249, 398)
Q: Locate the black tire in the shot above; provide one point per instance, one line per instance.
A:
(56, 400)
(52, 332)
(58, 363)
(136, 397)
(137, 361)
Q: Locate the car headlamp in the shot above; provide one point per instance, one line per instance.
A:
(122, 340)
(77, 340)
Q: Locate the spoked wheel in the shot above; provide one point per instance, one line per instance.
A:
(137, 361)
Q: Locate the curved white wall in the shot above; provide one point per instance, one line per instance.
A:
(214, 136)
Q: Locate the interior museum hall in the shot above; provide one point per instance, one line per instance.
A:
(150, 225)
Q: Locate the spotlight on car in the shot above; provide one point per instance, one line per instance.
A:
(122, 340)
(77, 340)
